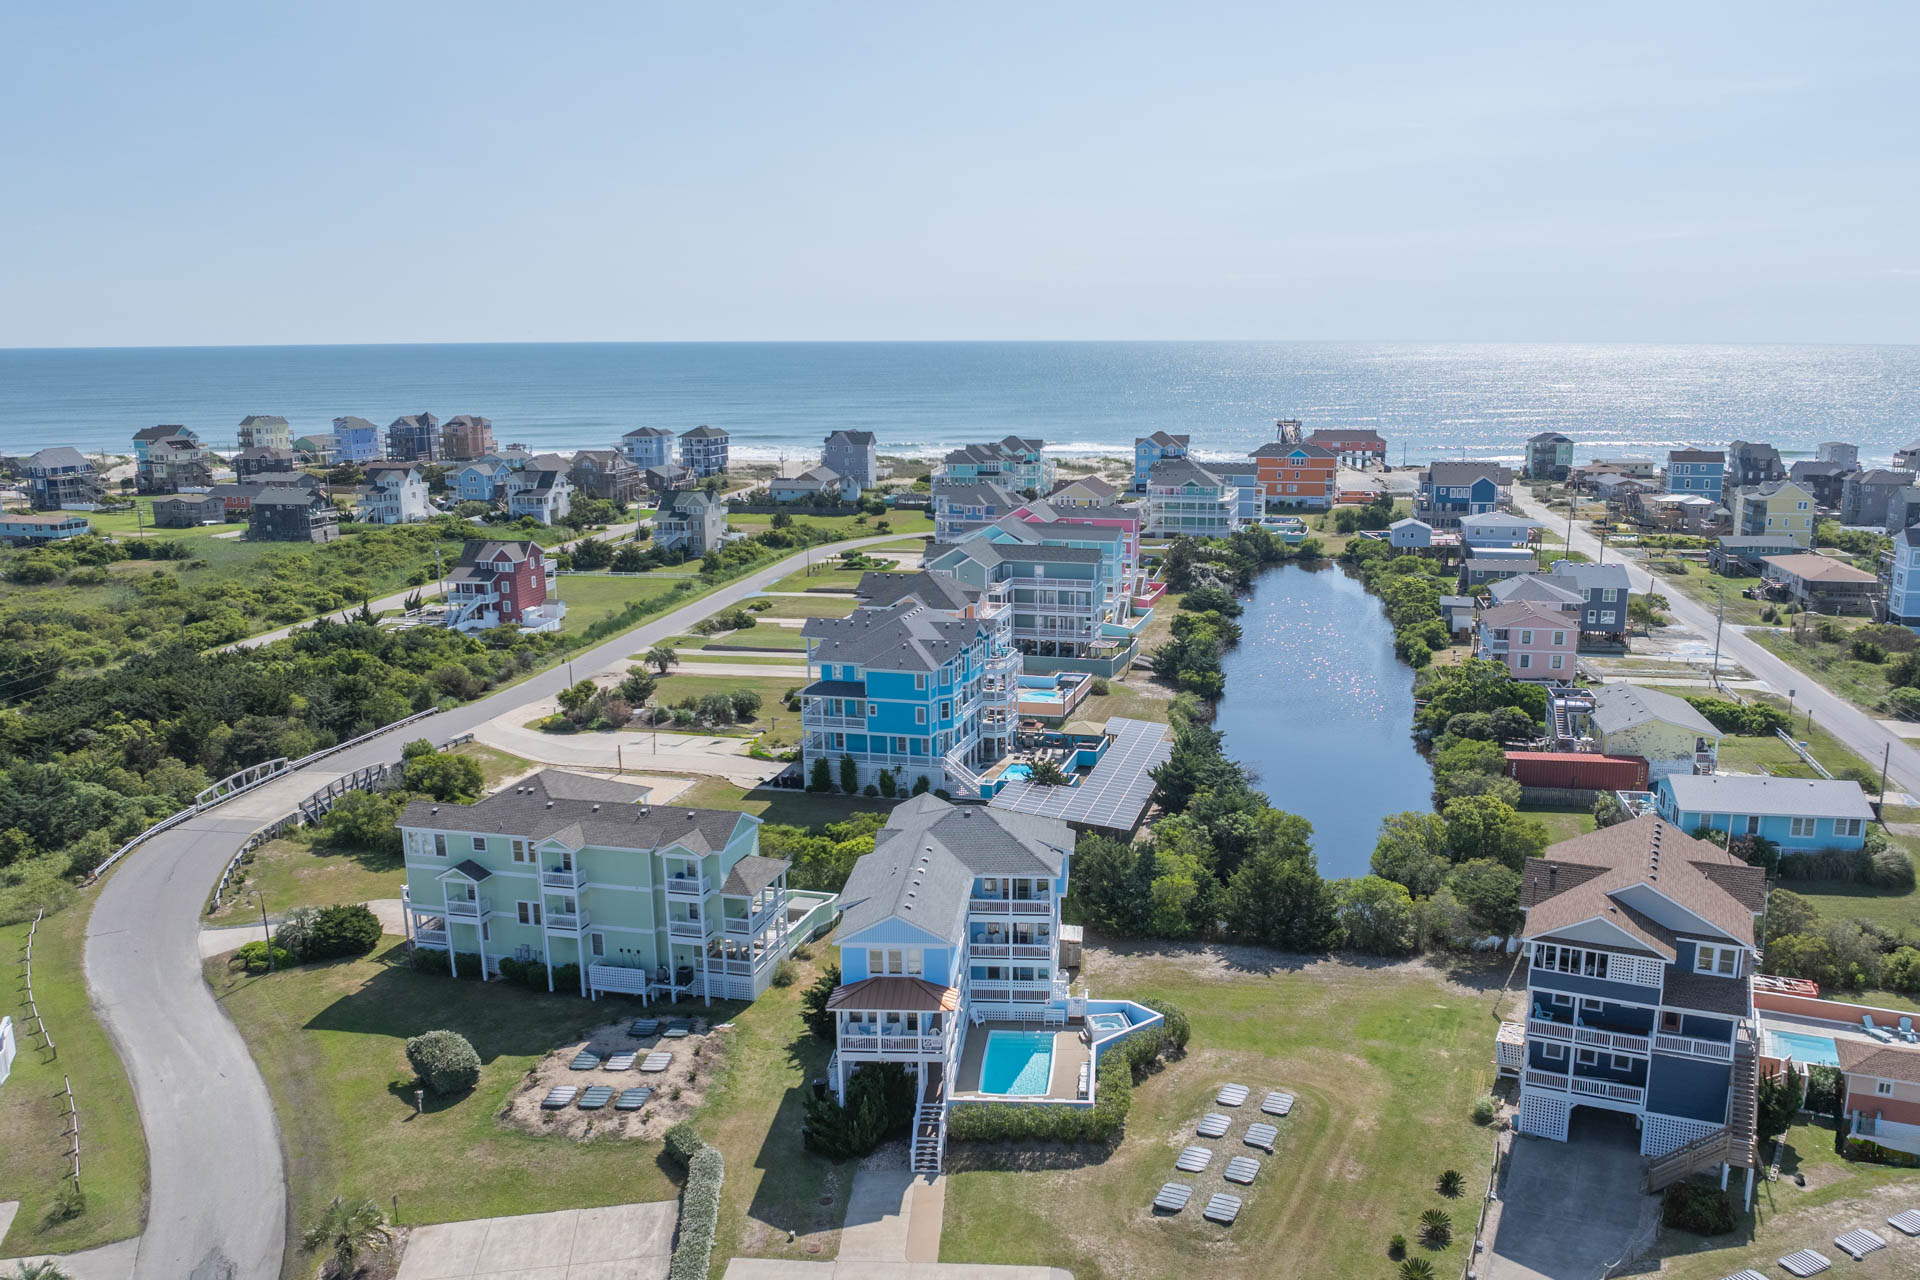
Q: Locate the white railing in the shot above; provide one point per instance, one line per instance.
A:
(1718, 1050)
(1011, 906)
(687, 928)
(471, 909)
(1549, 1030)
(1546, 1080)
(689, 886)
(555, 878)
(1032, 951)
(572, 921)
(1609, 1089)
(431, 937)
(1610, 1039)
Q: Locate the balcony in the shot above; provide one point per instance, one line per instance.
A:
(430, 937)
(687, 928)
(1688, 1046)
(478, 909)
(1011, 906)
(1609, 1089)
(567, 921)
(561, 878)
(1594, 1037)
(689, 886)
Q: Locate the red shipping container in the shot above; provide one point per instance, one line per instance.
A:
(1577, 770)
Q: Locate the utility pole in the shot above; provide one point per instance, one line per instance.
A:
(1886, 758)
(264, 928)
(1720, 621)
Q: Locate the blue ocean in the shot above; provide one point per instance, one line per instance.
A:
(781, 399)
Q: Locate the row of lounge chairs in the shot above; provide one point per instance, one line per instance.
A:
(1275, 1103)
(588, 1060)
(1857, 1244)
(1223, 1208)
(1175, 1196)
(1887, 1035)
(594, 1098)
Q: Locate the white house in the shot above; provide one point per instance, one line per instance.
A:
(537, 491)
(396, 494)
(1496, 529)
(815, 482)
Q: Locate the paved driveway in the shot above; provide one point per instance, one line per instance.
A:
(1572, 1210)
(620, 1242)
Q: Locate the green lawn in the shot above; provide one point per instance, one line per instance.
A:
(1770, 755)
(793, 808)
(123, 524)
(1838, 1194)
(591, 599)
(1562, 824)
(1124, 700)
(781, 727)
(1694, 579)
(1895, 910)
(825, 574)
(1386, 1061)
(33, 1112)
(852, 526)
(496, 765)
(294, 872)
(330, 1041)
(693, 660)
(788, 638)
(823, 606)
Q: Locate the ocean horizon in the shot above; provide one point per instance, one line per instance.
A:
(780, 399)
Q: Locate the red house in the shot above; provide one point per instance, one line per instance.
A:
(503, 584)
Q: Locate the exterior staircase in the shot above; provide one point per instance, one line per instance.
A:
(930, 1124)
(958, 770)
(1733, 1145)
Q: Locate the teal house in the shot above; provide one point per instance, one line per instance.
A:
(647, 900)
(1794, 813)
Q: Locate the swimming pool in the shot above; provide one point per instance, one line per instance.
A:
(1102, 1023)
(1808, 1051)
(1017, 771)
(1017, 1062)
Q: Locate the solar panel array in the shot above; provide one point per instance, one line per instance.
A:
(1114, 794)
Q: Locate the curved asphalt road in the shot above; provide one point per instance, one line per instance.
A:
(218, 1207)
(1859, 731)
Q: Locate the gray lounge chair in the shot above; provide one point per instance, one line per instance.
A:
(1194, 1160)
(1173, 1197)
(657, 1062)
(643, 1027)
(1907, 1223)
(1232, 1095)
(1222, 1209)
(596, 1097)
(1262, 1136)
(1242, 1169)
(1277, 1104)
(632, 1099)
(621, 1062)
(1805, 1262)
(559, 1097)
(1881, 1034)
(1860, 1242)
(1213, 1125)
(1748, 1274)
(1907, 1032)
(585, 1060)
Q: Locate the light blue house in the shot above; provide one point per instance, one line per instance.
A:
(1063, 593)
(961, 506)
(951, 966)
(1794, 813)
(1244, 475)
(912, 692)
(1641, 944)
(1408, 534)
(1903, 590)
(1148, 450)
(649, 447)
(1697, 472)
(482, 480)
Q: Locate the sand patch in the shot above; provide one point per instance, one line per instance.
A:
(677, 1092)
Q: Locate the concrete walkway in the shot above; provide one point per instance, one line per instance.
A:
(108, 1262)
(620, 1242)
(893, 1216)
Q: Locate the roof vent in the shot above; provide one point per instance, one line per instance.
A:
(645, 809)
(549, 804)
(435, 809)
(596, 808)
(689, 815)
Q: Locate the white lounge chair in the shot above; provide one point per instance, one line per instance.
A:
(1085, 1085)
(1907, 1223)
(1860, 1242)
(1805, 1262)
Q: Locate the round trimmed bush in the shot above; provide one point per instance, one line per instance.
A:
(444, 1060)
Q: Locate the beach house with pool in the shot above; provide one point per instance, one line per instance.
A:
(1798, 814)
(950, 965)
(561, 869)
(1641, 945)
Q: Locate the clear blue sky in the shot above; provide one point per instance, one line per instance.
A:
(406, 172)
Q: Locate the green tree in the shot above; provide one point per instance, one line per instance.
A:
(1490, 892)
(1282, 902)
(363, 820)
(1376, 915)
(576, 701)
(1413, 850)
(1048, 773)
(344, 1230)
(637, 686)
(849, 776)
(1105, 891)
(1781, 1094)
(1486, 827)
(446, 777)
(662, 657)
(821, 777)
(813, 1002)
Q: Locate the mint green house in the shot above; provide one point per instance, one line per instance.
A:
(648, 900)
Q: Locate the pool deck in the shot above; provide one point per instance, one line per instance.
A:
(1068, 1054)
(1797, 1024)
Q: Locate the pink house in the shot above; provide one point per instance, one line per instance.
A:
(1534, 641)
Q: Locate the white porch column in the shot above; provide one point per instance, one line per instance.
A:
(453, 952)
(546, 948)
(480, 936)
(580, 953)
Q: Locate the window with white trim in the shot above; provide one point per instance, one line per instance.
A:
(1553, 1052)
(1587, 1057)
(439, 844)
(520, 851)
(1621, 1062)
(1802, 828)
(920, 681)
(1846, 826)
(597, 944)
(479, 844)
(919, 715)
(1553, 958)
(1883, 1087)
(529, 912)
(1719, 960)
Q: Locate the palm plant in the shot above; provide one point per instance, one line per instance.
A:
(39, 1271)
(1397, 1247)
(1416, 1269)
(344, 1230)
(1436, 1228)
(1451, 1182)
(1047, 772)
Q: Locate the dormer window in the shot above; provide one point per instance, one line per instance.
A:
(1718, 960)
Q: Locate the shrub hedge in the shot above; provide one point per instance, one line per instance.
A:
(1867, 1149)
(445, 1060)
(1698, 1207)
(699, 1202)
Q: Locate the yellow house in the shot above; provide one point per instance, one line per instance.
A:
(1779, 508)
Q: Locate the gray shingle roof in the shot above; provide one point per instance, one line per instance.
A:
(1458, 473)
(1593, 577)
(752, 874)
(704, 433)
(905, 637)
(979, 493)
(1170, 471)
(1769, 797)
(582, 811)
(58, 455)
(938, 590)
(1622, 706)
(646, 433)
(995, 553)
(924, 860)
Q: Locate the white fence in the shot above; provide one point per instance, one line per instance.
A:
(33, 1008)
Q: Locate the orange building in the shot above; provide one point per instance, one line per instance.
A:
(1296, 475)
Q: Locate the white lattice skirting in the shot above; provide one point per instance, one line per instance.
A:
(1543, 1116)
(1661, 1134)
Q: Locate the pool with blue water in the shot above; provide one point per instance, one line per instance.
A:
(1017, 1063)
